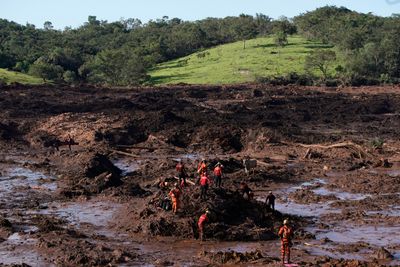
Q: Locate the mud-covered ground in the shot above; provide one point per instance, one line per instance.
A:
(330, 155)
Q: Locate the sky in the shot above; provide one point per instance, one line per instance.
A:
(73, 13)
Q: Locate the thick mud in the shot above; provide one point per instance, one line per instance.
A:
(329, 155)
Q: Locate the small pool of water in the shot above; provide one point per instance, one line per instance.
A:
(374, 235)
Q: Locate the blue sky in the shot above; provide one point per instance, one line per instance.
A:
(75, 12)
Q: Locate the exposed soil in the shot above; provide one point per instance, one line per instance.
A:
(98, 203)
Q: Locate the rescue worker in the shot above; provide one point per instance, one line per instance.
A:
(246, 192)
(218, 174)
(202, 167)
(204, 183)
(270, 201)
(202, 220)
(180, 168)
(285, 233)
(175, 195)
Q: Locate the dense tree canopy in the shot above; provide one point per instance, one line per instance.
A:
(121, 52)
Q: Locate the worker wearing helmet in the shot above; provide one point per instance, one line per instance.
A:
(218, 174)
(180, 168)
(204, 183)
(286, 235)
(202, 220)
(202, 167)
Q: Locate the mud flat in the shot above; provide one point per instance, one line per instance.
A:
(330, 157)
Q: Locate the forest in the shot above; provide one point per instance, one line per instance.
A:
(121, 53)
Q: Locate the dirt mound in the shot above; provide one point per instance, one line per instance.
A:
(232, 217)
(233, 257)
(93, 173)
(305, 196)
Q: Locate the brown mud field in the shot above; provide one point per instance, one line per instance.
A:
(330, 155)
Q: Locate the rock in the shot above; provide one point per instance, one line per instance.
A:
(5, 223)
(383, 254)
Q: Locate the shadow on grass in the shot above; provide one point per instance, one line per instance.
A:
(178, 64)
(316, 46)
(273, 45)
(160, 79)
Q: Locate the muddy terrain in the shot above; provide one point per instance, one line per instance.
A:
(81, 168)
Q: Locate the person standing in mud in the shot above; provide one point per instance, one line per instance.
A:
(180, 168)
(218, 174)
(270, 201)
(175, 195)
(202, 220)
(246, 192)
(202, 167)
(204, 183)
(286, 234)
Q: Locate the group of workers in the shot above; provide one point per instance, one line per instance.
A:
(285, 232)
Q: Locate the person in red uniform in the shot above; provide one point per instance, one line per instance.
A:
(175, 195)
(204, 183)
(202, 167)
(218, 174)
(202, 220)
(286, 235)
(180, 168)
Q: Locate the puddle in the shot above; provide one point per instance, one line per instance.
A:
(126, 165)
(341, 195)
(306, 210)
(329, 250)
(98, 214)
(375, 235)
(19, 249)
(23, 177)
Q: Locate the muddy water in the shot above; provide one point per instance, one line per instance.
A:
(19, 249)
(340, 232)
(16, 183)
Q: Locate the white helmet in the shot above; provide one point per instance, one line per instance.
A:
(286, 222)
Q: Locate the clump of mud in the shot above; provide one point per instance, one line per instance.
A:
(305, 196)
(233, 257)
(93, 173)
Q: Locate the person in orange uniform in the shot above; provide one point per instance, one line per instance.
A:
(286, 235)
(204, 183)
(218, 174)
(202, 220)
(175, 195)
(202, 167)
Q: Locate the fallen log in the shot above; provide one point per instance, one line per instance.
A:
(188, 181)
(349, 145)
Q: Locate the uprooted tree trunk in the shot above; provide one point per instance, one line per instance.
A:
(362, 154)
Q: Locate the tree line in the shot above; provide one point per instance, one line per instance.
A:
(118, 53)
(369, 43)
(122, 52)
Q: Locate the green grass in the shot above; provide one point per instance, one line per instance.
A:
(12, 76)
(230, 63)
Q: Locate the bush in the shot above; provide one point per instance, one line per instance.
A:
(69, 76)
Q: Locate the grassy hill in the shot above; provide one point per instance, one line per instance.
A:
(12, 76)
(230, 63)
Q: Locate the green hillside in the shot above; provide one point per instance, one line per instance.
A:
(12, 76)
(231, 63)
